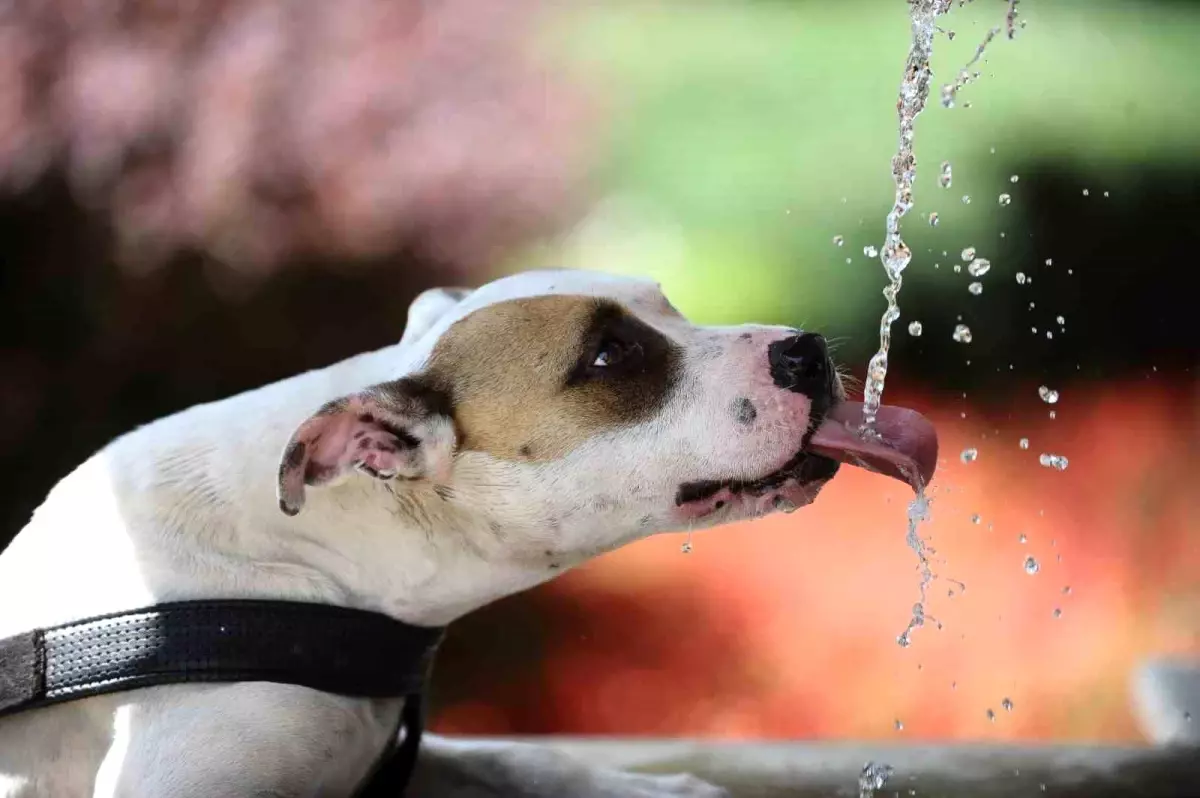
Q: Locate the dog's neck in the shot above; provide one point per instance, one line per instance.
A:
(186, 508)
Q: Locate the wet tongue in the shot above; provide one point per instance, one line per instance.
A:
(907, 447)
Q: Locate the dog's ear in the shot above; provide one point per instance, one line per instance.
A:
(427, 308)
(400, 429)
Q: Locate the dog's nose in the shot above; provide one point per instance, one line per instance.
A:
(800, 363)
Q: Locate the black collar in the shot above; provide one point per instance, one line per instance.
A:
(332, 649)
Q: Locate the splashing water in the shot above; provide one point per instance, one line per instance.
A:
(965, 75)
(918, 511)
(914, 91)
(872, 778)
(896, 255)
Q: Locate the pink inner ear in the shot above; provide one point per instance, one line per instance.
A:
(344, 441)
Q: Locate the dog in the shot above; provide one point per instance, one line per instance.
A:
(515, 431)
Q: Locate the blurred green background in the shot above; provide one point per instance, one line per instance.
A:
(748, 135)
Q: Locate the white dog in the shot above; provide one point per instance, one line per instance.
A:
(515, 431)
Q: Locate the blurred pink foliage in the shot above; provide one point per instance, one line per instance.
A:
(257, 132)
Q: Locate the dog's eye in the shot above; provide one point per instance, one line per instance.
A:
(610, 353)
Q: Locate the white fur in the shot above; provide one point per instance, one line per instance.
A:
(185, 508)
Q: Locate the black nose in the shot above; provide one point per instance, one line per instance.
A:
(801, 364)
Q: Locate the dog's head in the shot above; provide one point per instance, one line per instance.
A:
(577, 411)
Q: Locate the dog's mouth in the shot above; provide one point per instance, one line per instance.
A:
(904, 447)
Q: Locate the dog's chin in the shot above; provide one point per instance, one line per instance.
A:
(789, 488)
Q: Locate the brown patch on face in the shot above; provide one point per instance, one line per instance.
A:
(523, 379)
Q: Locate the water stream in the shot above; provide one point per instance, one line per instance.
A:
(896, 255)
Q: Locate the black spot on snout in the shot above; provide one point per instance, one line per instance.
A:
(744, 411)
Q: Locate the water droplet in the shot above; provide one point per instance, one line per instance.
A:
(838, 241)
(1023, 443)
(975, 519)
(1049, 395)
(1057, 613)
(1007, 704)
(975, 288)
(947, 175)
(1060, 320)
(1106, 193)
(1014, 178)
(1055, 461)
(1020, 278)
(1005, 199)
(968, 253)
(1031, 565)
(979, 267)
(1053, 415)
(991, 715)
(1021, 538)
(962, 334)
(686, 548)
(899, 725)
(1049, 261)
(1066, 590)
(870, 251)
(966, 199)
(915, 329)
(933, 219)
(1085, 192)
(1187, 717)
(958, 268)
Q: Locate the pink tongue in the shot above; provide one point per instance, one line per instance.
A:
(907, 447)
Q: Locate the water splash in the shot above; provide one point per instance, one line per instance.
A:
(873, 777)
(914, 92)
(918, 511)
(965, 75)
